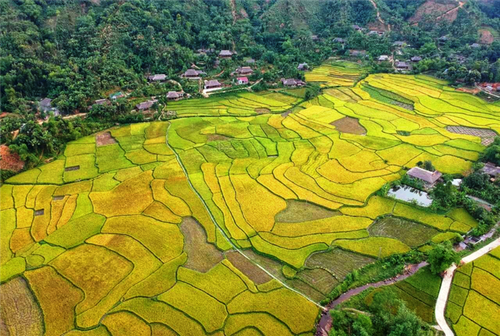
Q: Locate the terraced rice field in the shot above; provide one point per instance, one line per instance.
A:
(474, 301)
(336, 73)
(226, 224)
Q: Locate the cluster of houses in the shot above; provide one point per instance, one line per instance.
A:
(491, 87)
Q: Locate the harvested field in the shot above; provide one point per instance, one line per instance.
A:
(487, 136)
(297, 211)
(253, 272)
(104, 139)
(410, 233)
(349, 125)
(19, 312)
(202, 256)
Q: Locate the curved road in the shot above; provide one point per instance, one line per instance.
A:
(444, 291)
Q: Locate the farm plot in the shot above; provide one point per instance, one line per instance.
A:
(144, 227)
(336, 73)
(474, 300)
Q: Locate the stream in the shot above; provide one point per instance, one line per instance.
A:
(325, 323)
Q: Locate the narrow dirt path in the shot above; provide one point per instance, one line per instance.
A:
(233, 10)
(460, 5)
(379, 18)
(444, 291)
(325, 323)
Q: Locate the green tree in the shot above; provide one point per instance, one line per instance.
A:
(441, 257)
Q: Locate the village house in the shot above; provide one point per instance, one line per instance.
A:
(357, 28)
(205, 51)
(357, 53)
(174, 95)
(383, 58)
(475, 46)
(375, 33)
(116, 95)
(102, 102)
(145, 106)
(226, 54)
(338, 40)
(399, 44)
(291, 82)
(416, 59)
(45, 106)
(402, 66)
(243, 71)
(212, 84)
(157, 78)
(193, 74)
(443, 39)
(250, 61)
(427, 177)
(242, 80)
(491, 169)
(303, 67)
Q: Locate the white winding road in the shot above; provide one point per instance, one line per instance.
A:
(446, 285)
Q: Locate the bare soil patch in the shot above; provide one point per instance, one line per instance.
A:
(473, 91)
(286, 113)
(485, 36)
(10, 161)
(433, 8)
(252, 271)
(202, 256)
(349, 125)
(217, 137)
(104, 139)
(262, 110)
(19, 312)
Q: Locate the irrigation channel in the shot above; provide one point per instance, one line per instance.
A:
(325, 323)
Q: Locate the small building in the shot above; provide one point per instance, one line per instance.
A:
(303, 67)
(116, 95)
(292, 82)
(429, 178)
(338, 40)
(416, 59)
(102, 102)
(174, 95)
(383, 58)
(205, 51)
(242, 80)
(157, 78)
(399, 44)
(250, 61)
(491, 169)
(443, 39)
(212, 84)
(226, 54)
(475, 46)
(402, 66)
(193, 74)
(45, 106)
(244, 71)
(357, 53)
(144, 106)
(357, 28)
(375, 33)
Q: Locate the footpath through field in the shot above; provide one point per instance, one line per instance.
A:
(446, 285)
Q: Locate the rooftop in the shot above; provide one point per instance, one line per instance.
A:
(424, 175)
(491, 169)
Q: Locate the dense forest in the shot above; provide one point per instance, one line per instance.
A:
(77, 51)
